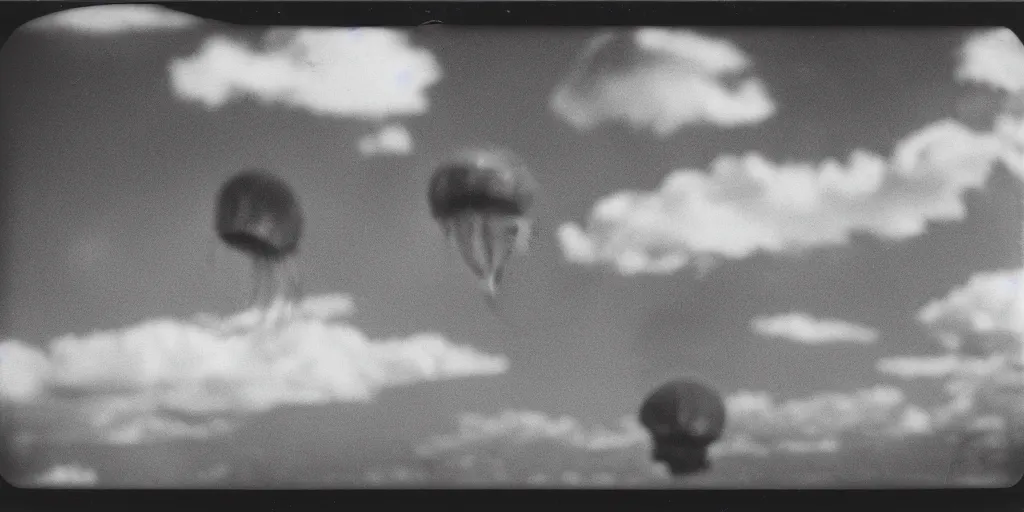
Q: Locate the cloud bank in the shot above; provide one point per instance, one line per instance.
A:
(108, 20)
(980, 325)
(821, 421)
(660, 80)
(519, 447)
(745, 204)
(363, 73)
(65, 476)
(805, 329)
(393, 139)
(167, 378)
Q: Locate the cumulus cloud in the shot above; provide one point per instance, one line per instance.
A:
(109, 20)
(987, 311)
(168, 378)
(805, 329)
(527, 447)
(745, 204)
(364, 73)
(533, 448)
(661, 79)
(980, 324)
(749, 204)
(393, 139)
(821, 421)
(70, 475)
(993, 57)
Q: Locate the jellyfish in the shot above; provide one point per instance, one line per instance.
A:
(481, 200)
(258, 215)
(684, 417)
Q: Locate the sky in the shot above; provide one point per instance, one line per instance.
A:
(825, 225)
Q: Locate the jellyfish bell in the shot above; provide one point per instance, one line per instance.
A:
(258, 214)
(482, 199)
(684, 417)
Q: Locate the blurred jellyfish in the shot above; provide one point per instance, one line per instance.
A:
(481, 200)
(258, 214)
(684, 417)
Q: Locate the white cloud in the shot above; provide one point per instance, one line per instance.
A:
(993, 57)
(661, 79)
(936, 367)
(70, 475)
(989, 304)
(821, 420)
(24, 371)
(393, 139)
(365, 73)
(529, 447)
(748, 204)
(745, 204)
(171, 378)
(116, 19)
(805, 329)
(981, 326)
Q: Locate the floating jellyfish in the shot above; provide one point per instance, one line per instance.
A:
(684, 417)
(258, 214)
(481, 200)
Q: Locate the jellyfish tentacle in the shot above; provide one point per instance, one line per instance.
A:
(465, 238)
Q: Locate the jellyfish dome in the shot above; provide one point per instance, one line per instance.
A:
(482, 200)
(684, 417)
(258, 214)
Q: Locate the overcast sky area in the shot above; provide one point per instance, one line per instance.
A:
(824, 224)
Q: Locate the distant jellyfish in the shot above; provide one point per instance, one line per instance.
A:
(482, 200)
(258, 214)
(684, 417)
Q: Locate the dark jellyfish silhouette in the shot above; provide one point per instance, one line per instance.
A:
(482, 200)
(258, 214)
(684, 417)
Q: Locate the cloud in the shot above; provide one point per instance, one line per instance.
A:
(393, 139)
(993, 57)
(23, 371)
(988, 311)
(820, 421)
(980, 324)
(661, 80)
(167, 378)
(364, 73)
(936, 367)
(70, 475)
(528, 447)
(747, 204)
(807, 330)
(109, 20)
